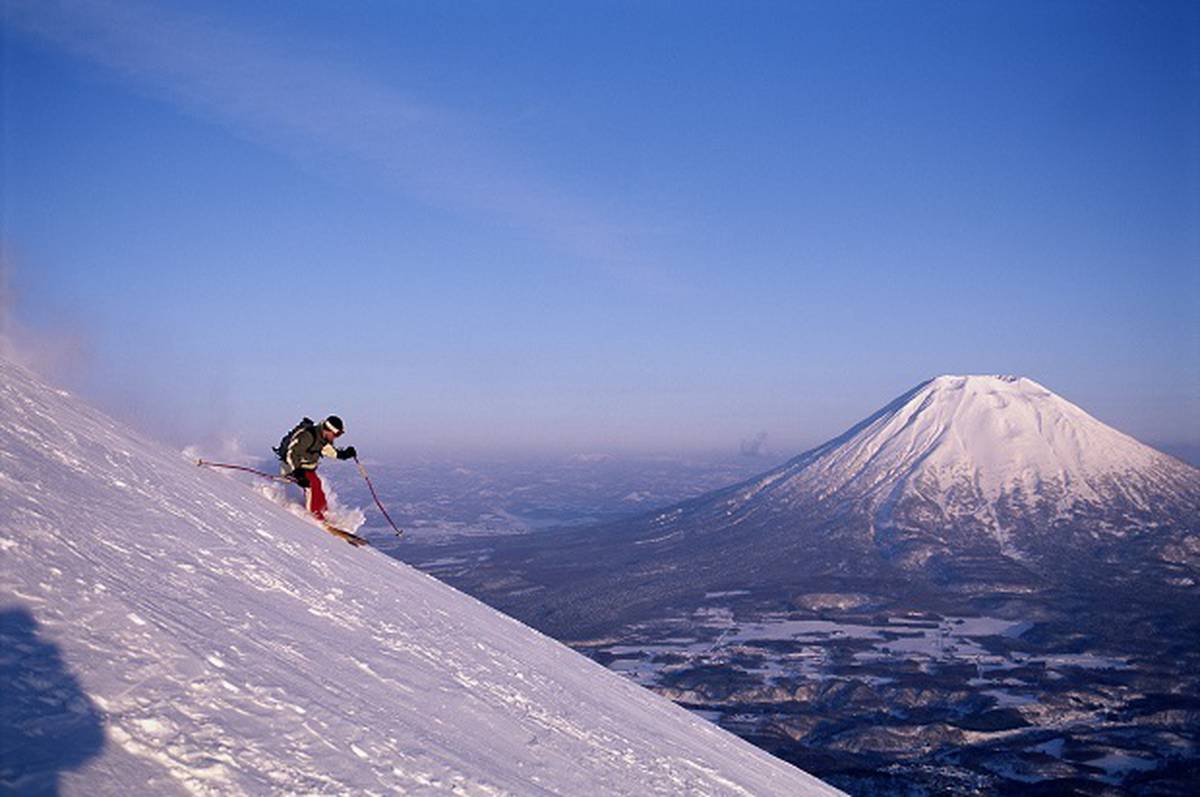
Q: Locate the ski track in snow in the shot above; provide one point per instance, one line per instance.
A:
(229, 647)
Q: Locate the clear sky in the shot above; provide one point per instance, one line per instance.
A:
(599, 226)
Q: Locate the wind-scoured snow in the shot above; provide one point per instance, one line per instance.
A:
(168, 630)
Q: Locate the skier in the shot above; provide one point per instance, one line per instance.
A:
(305, 447)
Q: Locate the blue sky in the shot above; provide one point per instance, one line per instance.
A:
(609, 226)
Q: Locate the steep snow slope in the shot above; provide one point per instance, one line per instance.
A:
(166, 630)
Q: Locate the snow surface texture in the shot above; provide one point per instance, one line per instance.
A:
(167, 630)
(966, 443)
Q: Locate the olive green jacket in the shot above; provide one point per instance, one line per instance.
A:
(306, 449)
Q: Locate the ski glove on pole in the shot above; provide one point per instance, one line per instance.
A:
(347, 453)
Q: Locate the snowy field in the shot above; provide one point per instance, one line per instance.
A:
(166, 630)
(715, 637)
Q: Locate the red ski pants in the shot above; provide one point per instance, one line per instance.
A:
(314, 496)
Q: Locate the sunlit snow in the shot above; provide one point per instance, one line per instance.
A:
(169, 630)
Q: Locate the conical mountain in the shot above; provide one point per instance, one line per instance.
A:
(992, 459)
(983, 482)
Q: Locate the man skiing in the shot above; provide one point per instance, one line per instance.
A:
(307, 444)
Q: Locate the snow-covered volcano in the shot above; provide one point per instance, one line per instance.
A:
(988, 483)
(993, 454)
(166, 630)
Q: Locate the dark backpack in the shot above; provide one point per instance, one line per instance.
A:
(281, 451)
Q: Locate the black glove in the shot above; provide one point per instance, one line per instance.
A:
(301, 477)
(348, 453)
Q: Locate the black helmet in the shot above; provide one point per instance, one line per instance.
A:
(334, 424)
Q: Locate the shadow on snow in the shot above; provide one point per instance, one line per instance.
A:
(47, 724)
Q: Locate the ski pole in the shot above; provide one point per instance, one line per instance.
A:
(375, 495)
(273, 477)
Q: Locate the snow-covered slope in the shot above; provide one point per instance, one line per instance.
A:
(166, 630)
